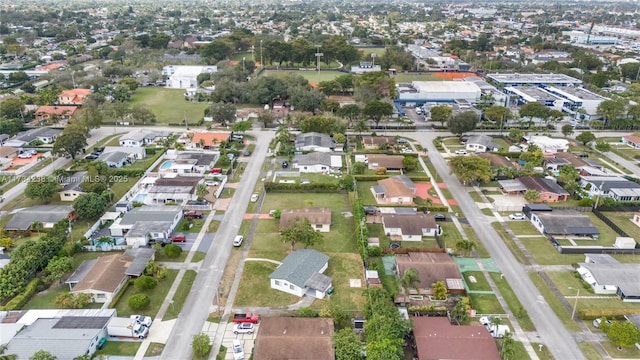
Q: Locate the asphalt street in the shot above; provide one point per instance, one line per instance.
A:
(203, 292)
(552, 332)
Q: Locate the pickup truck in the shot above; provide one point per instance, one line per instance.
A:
(178, 238)
(246, 317)
(193, 214)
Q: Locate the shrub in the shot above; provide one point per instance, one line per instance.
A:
(172, 251)
(585, 202)
(374, 251)
(201, 344)
(146, 283)
(22, 298)
(139, 302)
(307, 312)
(73, 301)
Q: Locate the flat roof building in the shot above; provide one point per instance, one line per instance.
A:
(438, 91)
(516, 79)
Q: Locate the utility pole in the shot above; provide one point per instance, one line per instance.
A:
(318, 55)
(261, 63)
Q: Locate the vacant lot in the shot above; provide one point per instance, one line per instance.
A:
(311, 75)
(546, 254)
(169, 105)
(342, 268)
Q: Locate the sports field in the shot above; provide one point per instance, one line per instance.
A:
(168, 105)
(311, 75)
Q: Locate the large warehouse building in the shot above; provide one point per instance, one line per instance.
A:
(502, 80)
(420, 92)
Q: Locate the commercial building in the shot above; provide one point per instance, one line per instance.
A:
(185, 76)
(420, 92)
(502, 80)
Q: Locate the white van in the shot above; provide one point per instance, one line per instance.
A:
(237, 349)
(238, 240)
(419, 110)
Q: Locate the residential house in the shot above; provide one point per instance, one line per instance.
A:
(140, 138)
(575, 161)
(44, 134)
(45, 215)
(562, 223)
(591, 171)
(409, 227)
(204, 160)
(208, 140)
(164, 219)
(294, 338)
(65, 334)
(173, 188)
(376, 142)
(72, 186)
(73, 96)
(397, 189)
(54, 114)
(631, 140)
(319, 218)
(607, 276)
(389, 162)
(9, 152)
(481, 143)
(133, 152)
(301, 273)
(549, 190)
(317, 162)
(555, 163)
(437, 338)
(616, 187)
(102, 277)
(115, 159)
(314, 142)
(548, 145)
(432, 267)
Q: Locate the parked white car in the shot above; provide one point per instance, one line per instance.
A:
(517, 216)
(254, 197)
(25, 155)
(461, 152)
(244, 328)
(141, 319)
(238, 350)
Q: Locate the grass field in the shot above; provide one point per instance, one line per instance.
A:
(409, 77)
(486, 304)
(545, 254)
(181, 295)
(255, 280)
(368, 51)
(169, 105)
(311, 75)
(122, 348)
(156, 295)
(481, 282)
(554, 303)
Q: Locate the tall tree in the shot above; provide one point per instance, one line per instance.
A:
(441, 113)
(410, 279)
(586, 137)
(222, 113)
(142, 115)
(535, 110)
(463, 122)
(532, 195)
(471, 168)
(347, 345)
(611, 109)
(42, 188)
(57, 267)
(301, 231)
(201, 344)
(42, 355)
(376, 110)
(567, 129)
(71, 142)
(498, 114)
(89, 205)
(622, 333)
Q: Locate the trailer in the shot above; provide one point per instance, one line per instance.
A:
(126, 327)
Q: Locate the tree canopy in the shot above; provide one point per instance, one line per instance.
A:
(471, 168)
(463, 122)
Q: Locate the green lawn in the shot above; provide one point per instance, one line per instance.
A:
(342, 268)
(121, 348)
(47, 298)
(255, 280)
(181, 295)
(625, 353)
(623, 220)
(486, 304)
(523, 228)
(480, 249)
(311, 75)
(364, 192)
(546, 254)
(196, 224)
(169, 105)
(589, 350)
(520, 352)
(266, 242)
(368, 51)
(154, 349)
(510, 243)
(156, 295)
(512, 301)
(409, 77)
(481, 282)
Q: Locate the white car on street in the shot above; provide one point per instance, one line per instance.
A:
(238, 350)
(461, 152)
(517, 216)
(254, 197)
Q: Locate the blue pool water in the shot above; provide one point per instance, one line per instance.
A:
(166, 165)
(140, 198)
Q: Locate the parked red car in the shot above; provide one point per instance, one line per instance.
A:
(179, 238)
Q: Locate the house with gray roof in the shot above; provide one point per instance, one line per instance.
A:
(317, 162)
(116, 159)
(72, 186)
(608, 276)
(46, 215)
(314, 142)
(562, 223)
(301, 273)
(44, 134)
(140, 137)
(65, 337)
(146, 223)
(615, 187)
(481, 143)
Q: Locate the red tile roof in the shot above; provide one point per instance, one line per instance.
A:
(208, 138)
(57, 110)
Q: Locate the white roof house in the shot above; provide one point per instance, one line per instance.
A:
(185, 76)
(547, 144)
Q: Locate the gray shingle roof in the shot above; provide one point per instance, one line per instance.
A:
(482, 139)
(146, 213)
(115, 156)
(299, 266)
(313, 158)
(22, 219)
(314, 139)
(624, 276)
(567, 222)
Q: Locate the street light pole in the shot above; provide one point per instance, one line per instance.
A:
(318, 55)
(261, 63)
(575, 304)
(243, 67)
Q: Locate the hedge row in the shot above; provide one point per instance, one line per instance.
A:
(21, 299)
(128, 172)
(119, 295)
(313, 187)
(381, 177)
(590, 314)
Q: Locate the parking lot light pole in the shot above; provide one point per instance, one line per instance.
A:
(575, 303)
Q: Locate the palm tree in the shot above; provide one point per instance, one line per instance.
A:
(495, 321)
(507, 348)
(410, 279)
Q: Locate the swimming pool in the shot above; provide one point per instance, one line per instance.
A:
(140, 198)
(166, 165)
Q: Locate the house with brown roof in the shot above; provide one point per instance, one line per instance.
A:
(575, 161)
(9, 152)
(432, 267)
(319, 218)
(102, 277)
(549, 190)
(389, 162)
(375, 142)
(409, 227)
(496, 160)
(289, 338)
(73, 96)
(54, 113)
(208, 140)
(397, 189)
(631, 140)
(437, 338)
